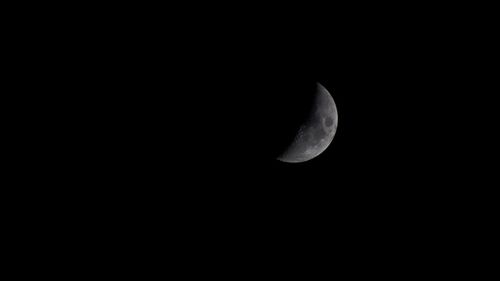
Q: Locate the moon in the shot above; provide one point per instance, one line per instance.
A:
(316, 132)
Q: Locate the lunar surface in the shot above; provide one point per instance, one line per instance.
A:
(317, 132)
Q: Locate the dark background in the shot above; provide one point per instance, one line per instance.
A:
(196, 107)
(168, 122)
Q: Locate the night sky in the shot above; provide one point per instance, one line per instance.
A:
(203, 123)
(209, 106)
(182, 122)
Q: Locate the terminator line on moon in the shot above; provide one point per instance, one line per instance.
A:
(317, 132)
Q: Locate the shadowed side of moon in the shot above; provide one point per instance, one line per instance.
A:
(316, 133)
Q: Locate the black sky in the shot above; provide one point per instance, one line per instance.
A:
(213, 99)
(179, 120)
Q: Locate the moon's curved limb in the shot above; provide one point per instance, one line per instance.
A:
(316, 134)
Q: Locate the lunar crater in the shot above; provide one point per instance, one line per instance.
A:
(328, 121)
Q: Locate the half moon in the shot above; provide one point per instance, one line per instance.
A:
(316, 132)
